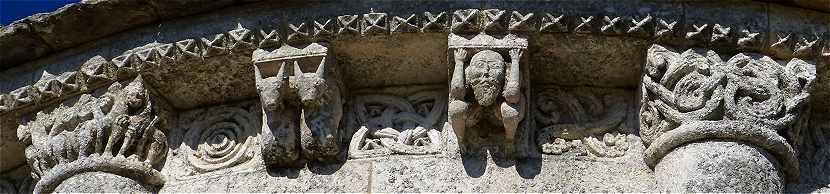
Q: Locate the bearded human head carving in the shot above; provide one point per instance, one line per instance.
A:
(486, 88)
(485, 74)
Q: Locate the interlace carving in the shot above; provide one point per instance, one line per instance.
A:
(665, 30)
(388, 124)
(695, 95)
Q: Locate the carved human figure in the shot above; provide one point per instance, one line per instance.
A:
(92, 137)
(132, 115)
(487, 77)
(117, 132)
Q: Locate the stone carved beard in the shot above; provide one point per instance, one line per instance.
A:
(486, 75)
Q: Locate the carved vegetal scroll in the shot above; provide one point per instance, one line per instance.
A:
(581, 120)
(302, 112)
(694, 96)
(118, 132)
(487, 81)
(388, 124)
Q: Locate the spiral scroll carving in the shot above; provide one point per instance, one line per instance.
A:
(682, 87)
(760, 90)
(221, 138)
(694, 95)
(697, 85)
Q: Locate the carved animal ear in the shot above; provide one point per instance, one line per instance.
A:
(321, 69)
(297, 71)
(281, 72)
(257, 73)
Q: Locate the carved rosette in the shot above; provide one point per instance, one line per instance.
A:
(118, 132)
(694, 95)
(222, 137)
(387, 124)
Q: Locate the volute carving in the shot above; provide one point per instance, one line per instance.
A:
(694, 95)
(220, 137)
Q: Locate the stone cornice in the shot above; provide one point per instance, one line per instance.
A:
(47, 33)
(683, 29)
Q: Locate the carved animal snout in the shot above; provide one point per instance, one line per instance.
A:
(270, 92)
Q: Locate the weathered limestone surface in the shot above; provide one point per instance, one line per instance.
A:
(417, 96)
(699, 166)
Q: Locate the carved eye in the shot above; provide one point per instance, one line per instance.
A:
(495, 65)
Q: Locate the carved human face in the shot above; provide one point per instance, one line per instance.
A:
(486, 75)
(135, 95)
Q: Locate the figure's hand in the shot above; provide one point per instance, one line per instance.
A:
(515, 54)
(457, 79)
(460, 55)
(512, 86)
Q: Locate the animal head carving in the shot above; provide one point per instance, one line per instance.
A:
(270, 89)
(310, 87)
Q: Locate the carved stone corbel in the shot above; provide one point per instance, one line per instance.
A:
(487, 89)
(301, 112)
(117, 134)
(701, 117)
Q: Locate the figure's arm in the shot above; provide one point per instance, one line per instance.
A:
(512, 85)
(511, 115)
(457, 80)
(117, 131)
(457, 108)
(457, 117)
